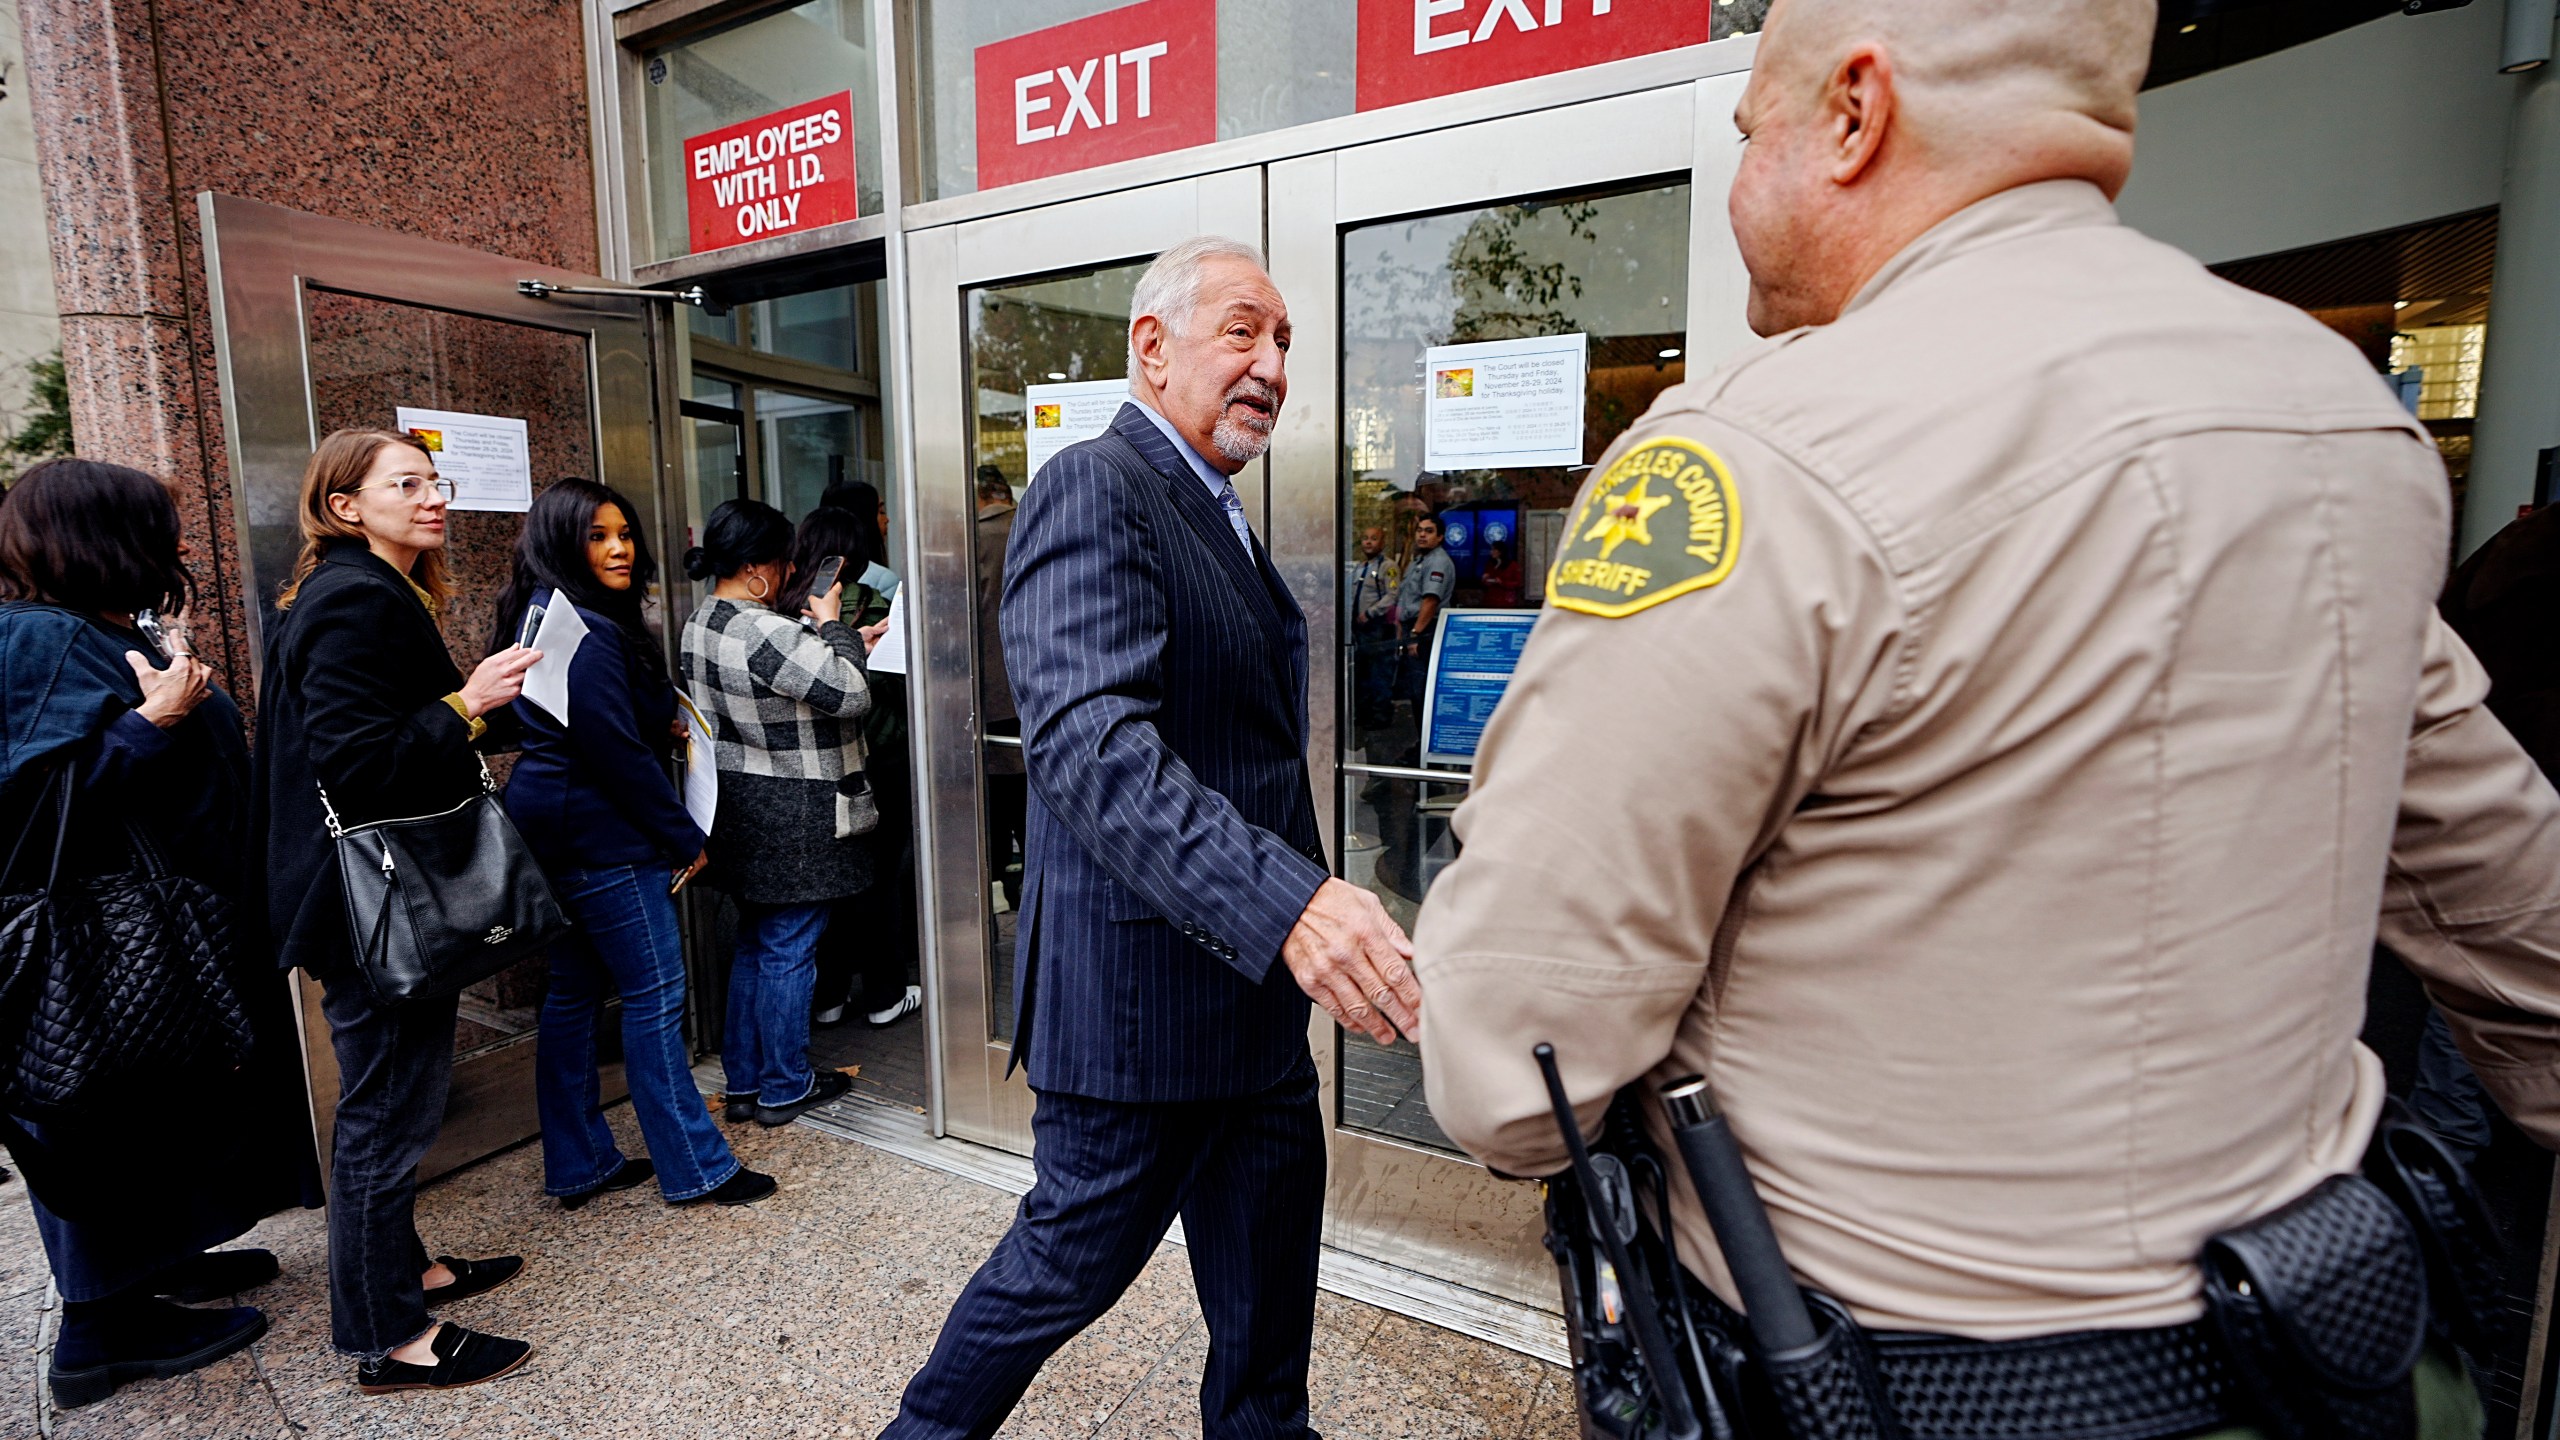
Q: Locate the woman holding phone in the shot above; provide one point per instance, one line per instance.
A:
(593, 799)
(786, 704)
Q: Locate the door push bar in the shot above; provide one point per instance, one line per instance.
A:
(692, 295)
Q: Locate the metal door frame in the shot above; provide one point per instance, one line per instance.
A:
(262, 263)
(1388, 1200)
(978, 1101)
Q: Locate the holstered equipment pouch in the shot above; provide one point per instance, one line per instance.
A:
(2322, 1310)
(2466, 1299)
(1830, 1390)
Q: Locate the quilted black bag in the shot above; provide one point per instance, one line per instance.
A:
(439, 902)
(114, 979)
(2323, 1313)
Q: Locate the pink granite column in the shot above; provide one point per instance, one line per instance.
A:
(130, 314)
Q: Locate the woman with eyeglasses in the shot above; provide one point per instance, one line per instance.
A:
(360, 696)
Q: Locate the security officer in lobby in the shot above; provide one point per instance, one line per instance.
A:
(1978, 727)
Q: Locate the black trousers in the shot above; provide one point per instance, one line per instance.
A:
(869, 948)
(1247, 1177)
(394, 1069)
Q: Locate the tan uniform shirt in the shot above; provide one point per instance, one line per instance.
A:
(2017, 695)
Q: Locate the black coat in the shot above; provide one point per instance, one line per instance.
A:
(351, 699)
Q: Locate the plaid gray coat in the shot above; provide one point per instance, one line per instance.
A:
(784, 702)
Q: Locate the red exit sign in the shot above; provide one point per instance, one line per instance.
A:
(1138, 80)
(777, 174)
(1415, 49)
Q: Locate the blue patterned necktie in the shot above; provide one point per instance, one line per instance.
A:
(1234, 507)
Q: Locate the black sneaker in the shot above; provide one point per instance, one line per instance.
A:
(150, 1342)
(632, 1173)
(825, 1087)
(474, 1277)
(744, 1188)
(463, 1357)
(215, 1275)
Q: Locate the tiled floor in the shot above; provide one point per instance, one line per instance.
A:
(801, 1316)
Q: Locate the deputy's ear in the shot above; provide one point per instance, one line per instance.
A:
(1858, 111)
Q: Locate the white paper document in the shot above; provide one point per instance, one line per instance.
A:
(1503, 402)
(558, 638)
(1057, 416)
(891, 657)
(701, 767)
(489, 458)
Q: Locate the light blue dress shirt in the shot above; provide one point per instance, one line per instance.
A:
(1221, 488)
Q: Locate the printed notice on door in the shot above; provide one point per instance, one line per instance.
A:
(777, 174)
(1503, 402)
(1057, 416)
(489, 458)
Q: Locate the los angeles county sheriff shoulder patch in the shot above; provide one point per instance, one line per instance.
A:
(1663, 521)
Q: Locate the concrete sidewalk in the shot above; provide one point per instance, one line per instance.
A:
(801, 1316)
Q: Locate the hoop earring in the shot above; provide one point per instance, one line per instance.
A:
(757, 586)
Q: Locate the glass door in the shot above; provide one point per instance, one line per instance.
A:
(1492, 334)
(321, 324)
(1021, 331)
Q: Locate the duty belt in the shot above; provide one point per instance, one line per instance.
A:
(2086, 1385)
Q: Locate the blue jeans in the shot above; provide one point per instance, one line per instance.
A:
(627, 943)
(766, 1047)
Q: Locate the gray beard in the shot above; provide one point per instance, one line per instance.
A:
(1238, 441)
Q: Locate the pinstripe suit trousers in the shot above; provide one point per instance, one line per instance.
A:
(1247, 1177)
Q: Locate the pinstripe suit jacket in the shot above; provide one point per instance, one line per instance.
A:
(1161, 676)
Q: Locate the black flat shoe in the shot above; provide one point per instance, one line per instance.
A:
(463, 1357)
(215, 1275)
(828, 1085)
(741, 1106)
(474, 1277)
(633, 1173)
(150, 1345)
(744, 1188)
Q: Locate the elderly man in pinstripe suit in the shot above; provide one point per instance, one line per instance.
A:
(1177, 911)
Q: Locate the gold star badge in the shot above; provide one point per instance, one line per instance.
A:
(1623, 519)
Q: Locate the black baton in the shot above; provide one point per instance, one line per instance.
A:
(1770, 1300)
(1670, 1388)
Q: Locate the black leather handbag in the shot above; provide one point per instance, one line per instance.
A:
(439, 902)
(114, 978)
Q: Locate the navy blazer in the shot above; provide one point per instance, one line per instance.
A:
(1170, 841)
(595, 793)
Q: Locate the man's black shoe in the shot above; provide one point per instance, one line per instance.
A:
(463, 1357)
(633, 1173)
(829, 1085)
(474, 1277)
(741, 1106)
(744, 1188)
(149, 1341)
(215, 1275)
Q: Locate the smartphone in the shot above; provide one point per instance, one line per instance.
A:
(532, 625)
(823, 579)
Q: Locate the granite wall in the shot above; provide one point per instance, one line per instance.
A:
(463, 120)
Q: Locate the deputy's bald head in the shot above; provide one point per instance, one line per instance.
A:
(1871, 120)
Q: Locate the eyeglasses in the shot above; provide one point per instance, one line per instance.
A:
(412, 488)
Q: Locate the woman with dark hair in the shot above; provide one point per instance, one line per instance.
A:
(870, 934)
(861, 499)
(594, 801)
(151, 743)
(360, 698)
(786, 705)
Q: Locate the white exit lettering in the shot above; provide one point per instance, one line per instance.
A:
(1080, 86)
(1425, 40)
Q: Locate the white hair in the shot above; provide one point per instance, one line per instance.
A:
(1170, 290)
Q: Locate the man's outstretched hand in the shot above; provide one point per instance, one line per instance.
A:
(1351, 957)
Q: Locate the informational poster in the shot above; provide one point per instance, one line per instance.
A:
(777, 174)
(1472, 658)
(1057, 416)
(489, 458)
(1503, 402)
(1139, 80)
(1415, 49)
